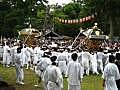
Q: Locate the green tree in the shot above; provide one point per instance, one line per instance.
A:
(73, 10)
(16, 14)
(107, 14)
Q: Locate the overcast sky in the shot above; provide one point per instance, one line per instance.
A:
(60, 2)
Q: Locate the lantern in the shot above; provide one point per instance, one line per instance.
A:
(80, 21)
(62, 20)
(69, 21)
(65, 21)
(83, 19)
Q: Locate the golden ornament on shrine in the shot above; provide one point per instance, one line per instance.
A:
(28, 35)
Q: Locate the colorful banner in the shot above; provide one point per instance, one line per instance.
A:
(77, 21)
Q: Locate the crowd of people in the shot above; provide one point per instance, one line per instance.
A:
(53, 61)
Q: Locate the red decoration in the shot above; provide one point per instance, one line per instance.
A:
(75, 21)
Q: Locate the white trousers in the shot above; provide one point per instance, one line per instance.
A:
(19, 74)
(74, 87)
(52, 86)
(6, 58)
(86, 67)
(100, 64)
(63, 67)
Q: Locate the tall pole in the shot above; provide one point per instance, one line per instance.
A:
(45, 22)
(1, 39)
(76, 39)
(55, 6)
(111, 27)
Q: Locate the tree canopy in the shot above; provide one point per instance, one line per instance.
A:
(18, 14)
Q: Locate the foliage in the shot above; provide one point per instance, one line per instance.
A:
(107, 14)
(18, 14)
(73, 10)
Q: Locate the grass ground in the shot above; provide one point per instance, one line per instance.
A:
(92, 82)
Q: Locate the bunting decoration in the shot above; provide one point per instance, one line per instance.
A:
(77, 21)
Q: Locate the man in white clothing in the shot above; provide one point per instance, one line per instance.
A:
(42, 65)
(74, 74)
(110, 75)
(85, 61)
(100, 56)
(35, 57)
(1, 51)
(6, 55)
(62, 62)
(13, 52)
(93, 60)
(19, 67)
(52, 77)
